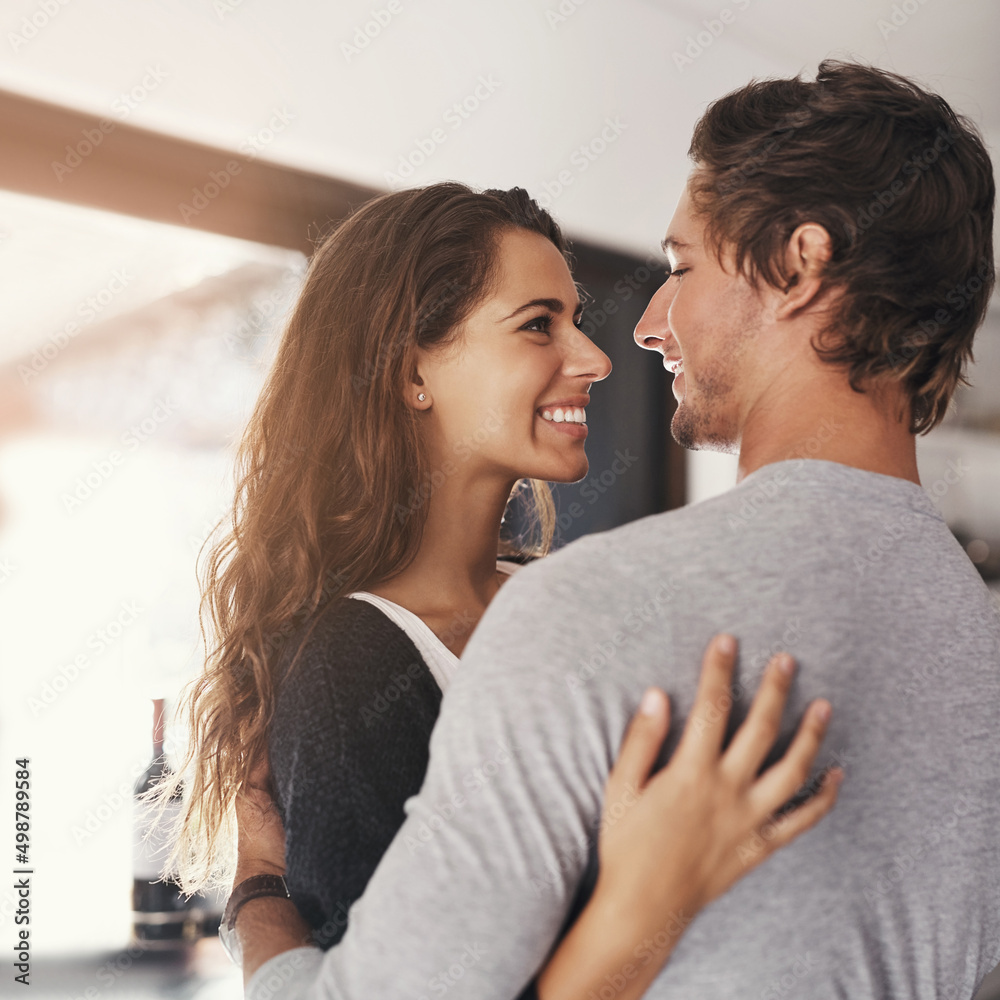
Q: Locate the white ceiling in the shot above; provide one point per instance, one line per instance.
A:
(227, 66)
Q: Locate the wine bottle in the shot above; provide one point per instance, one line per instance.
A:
(162, 917)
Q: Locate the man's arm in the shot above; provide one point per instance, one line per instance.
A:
(670, 842)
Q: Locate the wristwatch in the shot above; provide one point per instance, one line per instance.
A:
(251, 888)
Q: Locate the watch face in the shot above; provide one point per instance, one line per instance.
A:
(230, 942)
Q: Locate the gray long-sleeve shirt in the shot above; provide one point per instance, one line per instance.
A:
(895, 894)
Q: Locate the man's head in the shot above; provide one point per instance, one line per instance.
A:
(846, 221)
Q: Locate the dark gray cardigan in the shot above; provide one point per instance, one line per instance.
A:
(349, 744)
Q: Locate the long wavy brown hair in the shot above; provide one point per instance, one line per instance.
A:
(331, 474)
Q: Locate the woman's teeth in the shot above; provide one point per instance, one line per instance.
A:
(568, 415)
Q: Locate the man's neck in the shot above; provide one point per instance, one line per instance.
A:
(824, 418)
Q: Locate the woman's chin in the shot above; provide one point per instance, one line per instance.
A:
(566, 472)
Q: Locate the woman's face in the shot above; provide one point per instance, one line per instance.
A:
(509, 396)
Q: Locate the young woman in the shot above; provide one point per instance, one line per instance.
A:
(433, 365)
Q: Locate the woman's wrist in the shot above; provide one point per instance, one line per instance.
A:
(610, 944)
(642, 914)
(249, 868)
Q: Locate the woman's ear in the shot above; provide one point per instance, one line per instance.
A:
(808, 249)
(417, 395)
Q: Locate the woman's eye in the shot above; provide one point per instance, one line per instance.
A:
(677, 272)
(540, 324)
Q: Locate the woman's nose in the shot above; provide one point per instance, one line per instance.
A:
(588, 359)
(601, 364)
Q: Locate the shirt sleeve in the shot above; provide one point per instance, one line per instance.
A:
(344, 760)
(477, 883)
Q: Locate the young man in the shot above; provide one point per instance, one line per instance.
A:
(831, 260)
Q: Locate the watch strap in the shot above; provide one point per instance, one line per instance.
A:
(253, 888)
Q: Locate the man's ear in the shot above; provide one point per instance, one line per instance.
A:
(806, 253)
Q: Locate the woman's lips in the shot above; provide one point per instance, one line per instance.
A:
(566, 427)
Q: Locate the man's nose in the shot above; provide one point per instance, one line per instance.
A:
(652, 330)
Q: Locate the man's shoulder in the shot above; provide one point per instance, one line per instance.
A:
(615, 550)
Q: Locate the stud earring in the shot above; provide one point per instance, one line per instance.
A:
(421, 397)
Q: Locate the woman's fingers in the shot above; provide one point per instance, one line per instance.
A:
(640, 745)
(758, 731)
(781, 830)
(259, 830)
(260, 775)
(785, 777)
(706, 722)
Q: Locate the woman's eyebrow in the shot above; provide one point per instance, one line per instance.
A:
(553, 305)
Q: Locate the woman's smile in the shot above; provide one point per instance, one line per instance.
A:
(567, 416)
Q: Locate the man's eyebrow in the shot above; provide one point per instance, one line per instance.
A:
(673, 243)
(553, 305)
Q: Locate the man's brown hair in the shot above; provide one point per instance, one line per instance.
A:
(904, 187)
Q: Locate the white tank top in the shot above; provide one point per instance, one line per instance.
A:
(441, 661)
